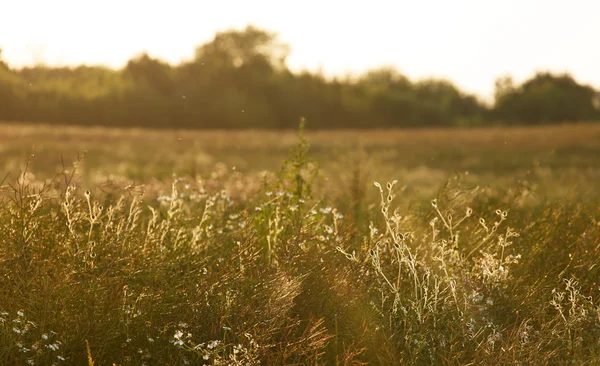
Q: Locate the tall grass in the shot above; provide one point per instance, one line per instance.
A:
(267, 269)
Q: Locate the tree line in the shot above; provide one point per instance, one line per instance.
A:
(240, 80)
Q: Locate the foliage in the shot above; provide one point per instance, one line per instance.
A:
(240, 80)
(546, 98)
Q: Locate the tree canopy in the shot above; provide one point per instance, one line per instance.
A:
(240, 79)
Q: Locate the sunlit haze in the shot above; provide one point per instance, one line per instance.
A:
(466, 41)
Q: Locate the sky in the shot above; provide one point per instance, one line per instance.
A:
(469, 42)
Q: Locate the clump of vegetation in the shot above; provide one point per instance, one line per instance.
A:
(223, 270)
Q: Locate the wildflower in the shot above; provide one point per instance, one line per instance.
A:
(164, 198)
(374, 231)
(20, 313)
(16, 331)
(30, 362)
(294, 208)
(213, 344)
(45, 336)
(150, 339)
(325, 210)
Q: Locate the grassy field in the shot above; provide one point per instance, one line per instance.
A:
(134, 247)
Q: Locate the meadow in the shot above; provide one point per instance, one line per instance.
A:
(348, 247)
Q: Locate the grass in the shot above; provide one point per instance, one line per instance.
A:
(153, 249)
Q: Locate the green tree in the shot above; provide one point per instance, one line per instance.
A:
(545, 98)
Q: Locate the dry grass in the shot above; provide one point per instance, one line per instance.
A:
(113, 259)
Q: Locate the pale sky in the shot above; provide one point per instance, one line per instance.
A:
(470, 42)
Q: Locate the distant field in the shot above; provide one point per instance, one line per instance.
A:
(134, 247)
(557, 157)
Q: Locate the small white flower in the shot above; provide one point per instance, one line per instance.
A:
(326, 210)
(20, 313)
(45, 336)
(16, 331)
(30, 362)
(151, 340)
(60, 358)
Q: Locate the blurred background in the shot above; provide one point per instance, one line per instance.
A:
(265, 64)
(497, 93)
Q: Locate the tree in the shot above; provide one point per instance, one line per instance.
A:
(545, 98)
